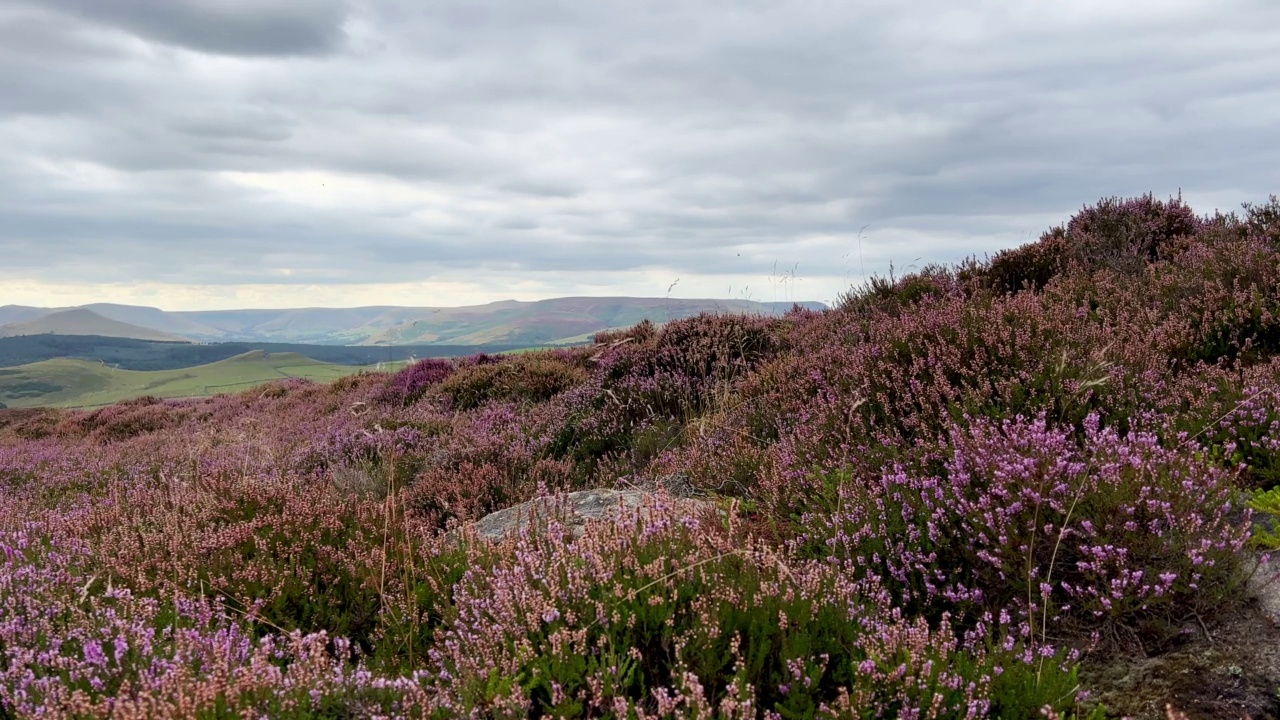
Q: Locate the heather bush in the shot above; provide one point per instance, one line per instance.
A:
(1126, 234)
(1218, 300)
(1115, 530)
(879, 389)
(348, 384)
(1252, 434)
(1233, 416)
(528, 377)
(494, 457)
(128, 419)
(642, 332)
(892, 296)
(347, 445)
(1029, 267)
(37, 425)
(711, 348)
(1263, 221)
(291, 555)
(644, 392)
(693, 355)
(653, 616)
(1119, 235)
(717, 459)
(408, 385)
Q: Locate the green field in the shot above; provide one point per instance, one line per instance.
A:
(82, 383)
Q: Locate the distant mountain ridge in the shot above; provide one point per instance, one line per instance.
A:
(507, 322)
(83, 321)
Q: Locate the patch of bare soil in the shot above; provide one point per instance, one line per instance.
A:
(1234, 673)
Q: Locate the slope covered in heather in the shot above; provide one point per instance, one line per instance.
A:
(968, 492)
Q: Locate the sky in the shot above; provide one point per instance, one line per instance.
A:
(205, 154)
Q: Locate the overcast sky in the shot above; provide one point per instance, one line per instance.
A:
(194, 154)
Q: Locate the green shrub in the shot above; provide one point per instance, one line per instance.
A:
(1266, 530)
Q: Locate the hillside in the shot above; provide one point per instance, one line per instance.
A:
(83, 383)
(82, 321)
(1042, 485)
(20, 313)
(156, 319)
(549, 321)
(129, 354)
(510, 323)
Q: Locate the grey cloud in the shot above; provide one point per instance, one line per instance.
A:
(233, 125)
(233, 27)
(30, 31)
(516, 223)
(49, 67)
(543, 187)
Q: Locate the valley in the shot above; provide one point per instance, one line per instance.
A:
(72, 383)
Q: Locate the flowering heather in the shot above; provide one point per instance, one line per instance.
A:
(406, 386)
(1022, 519)
(653, 616)
(76, 646)
(940, 499)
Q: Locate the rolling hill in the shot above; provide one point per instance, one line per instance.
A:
(20, 313)
(129, 354)
(549, 321)
(509, 322)
(81, 383)
(83, 321)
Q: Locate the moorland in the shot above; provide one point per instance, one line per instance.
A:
(1033, 485)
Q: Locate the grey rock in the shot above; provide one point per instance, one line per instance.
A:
(573, 510)
(1264, 586)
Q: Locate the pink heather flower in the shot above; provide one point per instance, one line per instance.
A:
(93, 653)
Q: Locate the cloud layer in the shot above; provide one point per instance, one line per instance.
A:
(216, 153)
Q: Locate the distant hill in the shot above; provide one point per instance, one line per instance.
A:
(82, 321)
(509, 322)
(82, 383)
(129, 354)
(20, 313)
(154, 318)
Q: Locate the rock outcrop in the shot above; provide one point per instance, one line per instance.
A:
(573, 510)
